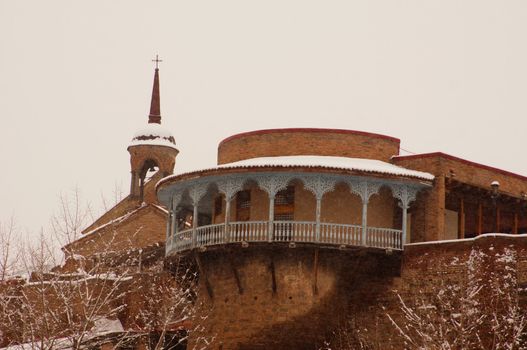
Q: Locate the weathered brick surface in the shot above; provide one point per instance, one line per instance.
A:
(293, 316)
(324, 142)
(429, 210)
(465, 171)
(164, 157)
(358, 285)
(143, 228)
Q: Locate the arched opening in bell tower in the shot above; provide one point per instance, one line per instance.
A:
(149, 168)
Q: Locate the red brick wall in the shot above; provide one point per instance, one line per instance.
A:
(352, 285)
(144, 228)
(289, 142)
(294, 316)
(465, 171)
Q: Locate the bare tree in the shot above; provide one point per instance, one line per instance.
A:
(9, 251)
(117, 195)
(480, 311)
(122, 296)
(166, 308)
(71, 217)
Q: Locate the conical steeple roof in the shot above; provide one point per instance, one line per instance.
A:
(154, 133)
(155, 104)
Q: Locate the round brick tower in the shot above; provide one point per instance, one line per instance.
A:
(293, 232)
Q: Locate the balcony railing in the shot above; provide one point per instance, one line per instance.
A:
(284, 231)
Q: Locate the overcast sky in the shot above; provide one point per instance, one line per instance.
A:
(76, 78)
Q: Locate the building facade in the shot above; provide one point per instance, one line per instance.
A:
(291, 237)
(296, 230)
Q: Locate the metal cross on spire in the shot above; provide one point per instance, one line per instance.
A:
(157, 60)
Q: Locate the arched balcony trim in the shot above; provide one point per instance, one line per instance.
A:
(317, 183)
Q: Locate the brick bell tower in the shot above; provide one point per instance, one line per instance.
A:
(152, 150)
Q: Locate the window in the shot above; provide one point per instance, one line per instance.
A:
(218, 205)
(243, 205)
(285, 197)
(284, 204)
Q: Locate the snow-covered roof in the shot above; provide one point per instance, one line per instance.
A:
(357, 164)
(153, 134)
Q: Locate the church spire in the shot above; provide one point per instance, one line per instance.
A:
(155, 106)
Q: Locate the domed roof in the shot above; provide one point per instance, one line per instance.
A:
(153, 134)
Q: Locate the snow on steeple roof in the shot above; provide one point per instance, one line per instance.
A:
(154, 134)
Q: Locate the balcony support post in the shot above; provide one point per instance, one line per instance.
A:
(364, 221)
(227, 218)
(405, 219)
(169, 220)
(271, 217)
(195, 194)
(175, 227)
(318, 210)
(365, 190)
(172, 218)
(272, 184)
(319, 185)
(195, 226)
(229, 187)
(405, 194)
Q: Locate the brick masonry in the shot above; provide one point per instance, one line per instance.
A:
(358, 285)
(324, 142)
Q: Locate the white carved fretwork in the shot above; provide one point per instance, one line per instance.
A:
(319, 184)
(364, 189)
(197, 192)
(176, 199)
(272, 183)
(404, 193)
(230, 186)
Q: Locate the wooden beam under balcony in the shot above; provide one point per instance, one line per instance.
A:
(315, 272)
(236, 274)
(273, 276)
(203, 275)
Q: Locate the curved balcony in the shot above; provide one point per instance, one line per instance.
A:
(285, 231)
(330, 209)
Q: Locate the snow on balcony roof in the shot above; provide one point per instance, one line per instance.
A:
(357, 164)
